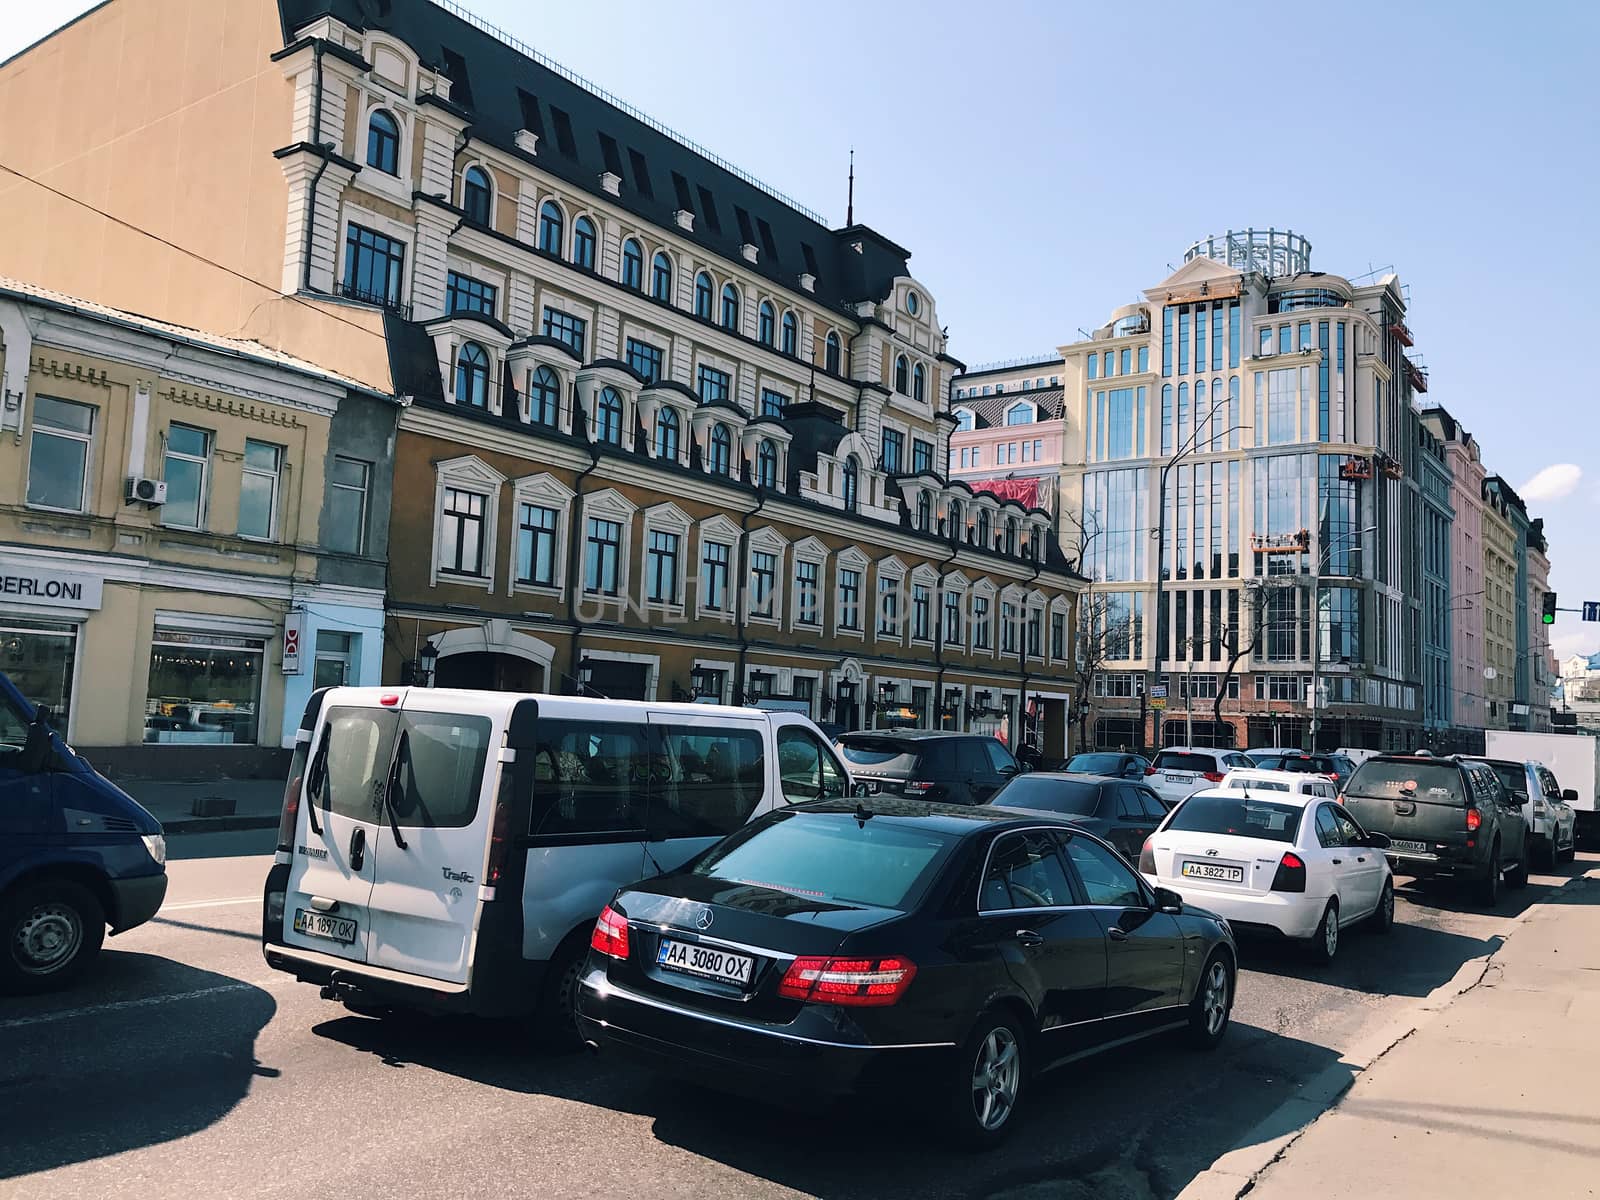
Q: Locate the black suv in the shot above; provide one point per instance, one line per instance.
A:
(1444, 817)
(925, 764)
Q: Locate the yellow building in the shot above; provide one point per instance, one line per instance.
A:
(170, 514)
(1499, 610)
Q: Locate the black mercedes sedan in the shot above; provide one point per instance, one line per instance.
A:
(930, 951)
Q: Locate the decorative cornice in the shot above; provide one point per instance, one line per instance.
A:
(231, 406)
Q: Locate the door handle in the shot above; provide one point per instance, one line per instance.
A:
(1117, 933)
(1028, 937)
(358, 848)
(1338, 861)
(1361, 858)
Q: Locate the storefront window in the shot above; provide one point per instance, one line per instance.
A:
(205, 688)
(39, 657)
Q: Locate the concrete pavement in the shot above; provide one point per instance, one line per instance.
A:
(1494, 1096)
(256, 803)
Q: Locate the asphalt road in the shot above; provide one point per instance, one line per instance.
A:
(184, 1067)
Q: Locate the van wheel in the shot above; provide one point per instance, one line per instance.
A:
(53, 929)
(1324, 942)
(558, 1006)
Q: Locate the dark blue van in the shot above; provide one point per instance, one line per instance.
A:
(77, 854)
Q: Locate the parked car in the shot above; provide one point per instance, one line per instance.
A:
(78, 855)
(449, 850)
(1108, 762)
(1259, 779)
(929, 953)
(1177, 773)
(1447, 817)
(926, 764)
(1289, 863)
(1567, 819)
(1335, 766)
(1536, 789)
(1118, 811)
(1264, 752)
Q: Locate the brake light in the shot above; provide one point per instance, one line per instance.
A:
(1291, 876)
(1149, 770)
(389, 699)
(1211, 776)
(857, 982)
(1147, 857)
(610, 935)
(499, 843)
(918, 787)
(1474, 819)
(291, 802)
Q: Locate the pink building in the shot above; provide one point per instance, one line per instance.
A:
(1466, 567)
(1008, 437)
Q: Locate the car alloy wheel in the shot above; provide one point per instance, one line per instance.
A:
(996, 1078)
(1330, 934)
(1216, 998)
(47, 938)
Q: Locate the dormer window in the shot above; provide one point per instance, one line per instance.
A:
(767, 323)
(852, 483)
(790, 334)
(608, 417)
(767, 465)
(902, 375)
(383, 142)
(552, 227)
(476, 194)
(702, 296)
(661, 277)
(965, 422)
(632, 265)
(924, 510)
(721, 450)
(919, 381)
(913, 303)
(830, 354)
(544, 397)
(1020, 414)
(472, 376)
(583, 243)
(667, 434)
(730, 308)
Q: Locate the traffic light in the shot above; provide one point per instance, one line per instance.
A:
(1549, 608)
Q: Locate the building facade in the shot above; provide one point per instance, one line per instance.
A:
(1008, 434)
(1468, 603)
(1254, 414)
(192, 531)
(1500, 634)
(1543, 673)
(1435, 568)
(666, 433)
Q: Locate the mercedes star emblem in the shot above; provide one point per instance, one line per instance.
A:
(703, 919)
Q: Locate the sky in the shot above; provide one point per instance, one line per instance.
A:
(1047, 161)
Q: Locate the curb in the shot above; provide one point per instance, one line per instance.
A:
(1237, 1171)
(220, 824)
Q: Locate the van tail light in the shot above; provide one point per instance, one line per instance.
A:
(499, 843)
(1474, 820)
(918, 787)
(1147, 857)
(1291, 876)
(855, 982)
(610, 935)
(1211, 776)
(290, 819)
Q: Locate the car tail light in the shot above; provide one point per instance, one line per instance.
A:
(499, 843)
(858, 982)
(1211, 776)
(1474, 819)
(291, 801)
(610, 935)
(918, 787)
(1291, 876)
(1149, 770)
(1147, 857)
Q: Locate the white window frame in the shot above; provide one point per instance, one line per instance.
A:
(66, 435)
(666, 517)
(720, 531)
(890, 569)
(852, 560)
(986, 589)
(809, 550)
(608, 505)
(546, 491)
(924, 576)
(958, 585)
(203, 506)
(277, 481)
(468, 473)
(766, 540)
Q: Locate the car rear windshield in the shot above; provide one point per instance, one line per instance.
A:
(1168, 761)
(1439, 783)
(1069, 796)
(833, 857)
(1302, 764)
(1097, 764)
(1238, 816)
(886, 753)
(1513, 775)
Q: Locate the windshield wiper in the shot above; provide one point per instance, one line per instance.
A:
(315, 779)
(390, 784)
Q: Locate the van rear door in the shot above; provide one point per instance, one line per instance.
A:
(434, 833)
(336, 847)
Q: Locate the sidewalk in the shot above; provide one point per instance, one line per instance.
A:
(257, 803)
(1494, 1096)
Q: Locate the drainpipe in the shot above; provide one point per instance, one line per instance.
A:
(938, 641)
(574, 553)
(739, 588)
(316, 180)
(1020, 731)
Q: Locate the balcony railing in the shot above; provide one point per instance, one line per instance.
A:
(349, 291)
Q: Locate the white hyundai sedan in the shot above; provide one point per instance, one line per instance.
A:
(1288, 863)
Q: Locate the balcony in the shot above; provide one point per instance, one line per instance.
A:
(350, 291)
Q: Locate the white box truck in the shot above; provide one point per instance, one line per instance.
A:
(1573, 757)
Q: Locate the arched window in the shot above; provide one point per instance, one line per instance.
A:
(702, 296)
(608, 417)
(919, 382)
(730, 307)
(667, 434)
(721, 450)
(985, 536)
(661, 277)
(544, 397)
(902, 375)
(830, 354)
(791, 332)
(1011, 536)
(583, 243)
(957, 529)
(383, 142)
(852, 482)
(767, 464)
(472, 376)
(924, 510)
(552, 227)
(476, 192)
(766, 325)
(632, 265)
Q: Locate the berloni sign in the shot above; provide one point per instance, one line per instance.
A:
(21, 586)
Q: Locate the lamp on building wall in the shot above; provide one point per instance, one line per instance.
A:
(427, 659)
(979, 706)
(586, 671)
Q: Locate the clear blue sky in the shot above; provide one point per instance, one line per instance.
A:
(1046, 161)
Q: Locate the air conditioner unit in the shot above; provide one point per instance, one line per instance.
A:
(146, 491)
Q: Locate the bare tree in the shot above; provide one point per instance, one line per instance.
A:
(1104, 634)
(1239, 640)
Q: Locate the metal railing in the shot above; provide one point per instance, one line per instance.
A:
(1027, 360)
(349, 291)
(544, 60)
(1272, 252)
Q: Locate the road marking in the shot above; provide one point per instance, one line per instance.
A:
(121, 1005)
(187, 904)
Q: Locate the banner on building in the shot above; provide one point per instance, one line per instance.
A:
(1023, 491)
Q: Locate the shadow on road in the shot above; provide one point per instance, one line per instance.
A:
(1145, 1120)
(178, 1054)
(1409, 960)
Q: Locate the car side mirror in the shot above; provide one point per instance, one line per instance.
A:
(1377, 841)
(1570, 795)
(35, 756)
(1168, 901)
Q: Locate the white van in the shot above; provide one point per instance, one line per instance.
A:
(450, 850)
